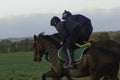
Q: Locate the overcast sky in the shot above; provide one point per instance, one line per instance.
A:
(10, 8)
(23, 18)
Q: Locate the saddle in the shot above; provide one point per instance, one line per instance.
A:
(77, 53)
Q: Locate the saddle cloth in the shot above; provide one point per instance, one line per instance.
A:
(77, 53)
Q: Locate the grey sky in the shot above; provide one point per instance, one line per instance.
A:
(24, 18)
(25, 26)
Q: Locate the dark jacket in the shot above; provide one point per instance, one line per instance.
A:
(80, 18)
(84, 22)
(66, 27)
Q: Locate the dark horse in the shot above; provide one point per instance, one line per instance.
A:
(101, 59)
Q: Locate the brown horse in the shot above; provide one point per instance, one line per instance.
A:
(98, 61)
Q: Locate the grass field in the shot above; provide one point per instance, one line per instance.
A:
(20, 66)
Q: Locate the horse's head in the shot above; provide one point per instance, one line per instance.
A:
(38, 48)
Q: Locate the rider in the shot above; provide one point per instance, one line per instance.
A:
(71, 32)
(83, 20)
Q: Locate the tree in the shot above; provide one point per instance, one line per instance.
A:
(5, 46)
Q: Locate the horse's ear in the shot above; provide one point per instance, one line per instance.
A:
(35, 37)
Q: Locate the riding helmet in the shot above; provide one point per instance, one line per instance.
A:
(54, 21)
(66, 14)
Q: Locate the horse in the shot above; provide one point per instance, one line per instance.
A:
(97, 61)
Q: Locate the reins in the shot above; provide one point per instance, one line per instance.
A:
(54, 42)
(46, 53)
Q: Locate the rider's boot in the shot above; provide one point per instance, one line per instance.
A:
(70, 57)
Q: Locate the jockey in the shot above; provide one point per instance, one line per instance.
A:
(84, 21)
(71, 32)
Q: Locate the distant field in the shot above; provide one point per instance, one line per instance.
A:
(20, 66)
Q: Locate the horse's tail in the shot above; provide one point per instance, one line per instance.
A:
(115, 53)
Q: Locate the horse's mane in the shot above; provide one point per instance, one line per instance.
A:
(54, 38)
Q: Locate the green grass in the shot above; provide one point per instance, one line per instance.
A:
(20, 66)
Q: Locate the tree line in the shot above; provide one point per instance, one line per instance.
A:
(26, 45)
(7, 46)
(112, 35)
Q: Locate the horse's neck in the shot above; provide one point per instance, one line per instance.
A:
(52, 54)
(47, 44)
(50, 46)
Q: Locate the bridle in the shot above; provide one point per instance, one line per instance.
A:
(42, 51)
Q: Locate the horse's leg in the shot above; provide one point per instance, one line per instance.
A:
(50, 74)
(114, 77)
(105, 78)
(56, 78)
(93, 78)
(68, 78)
(94, 75)
(114, 73)
(67, 74)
